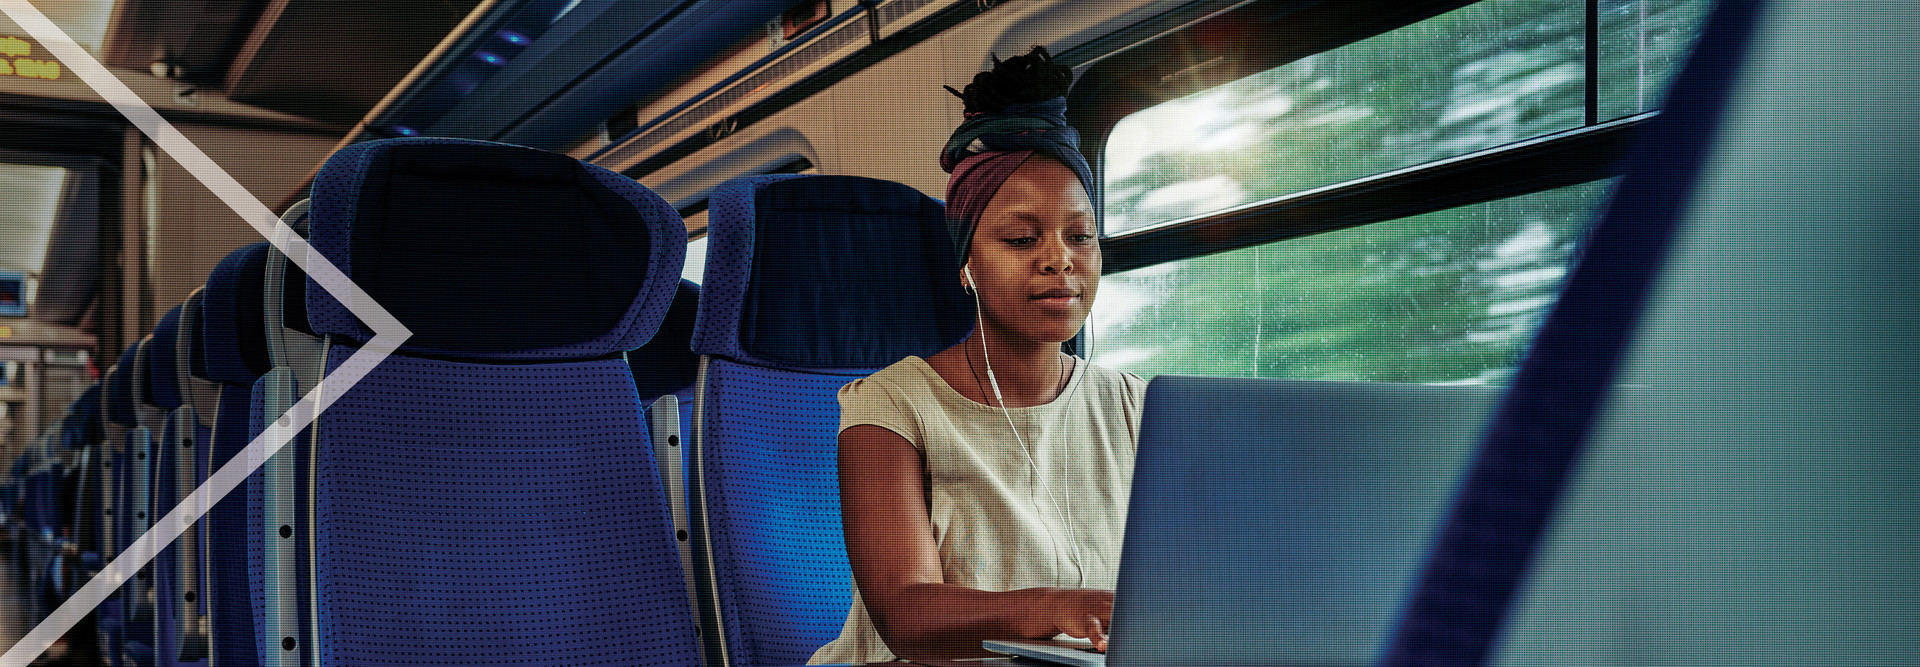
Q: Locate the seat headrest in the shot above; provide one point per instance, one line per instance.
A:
(86, 411)
(119, 388)
(293, 288)
(193, 327)
(142, 389)
(163, 380)
(232, 326)
(667, 363)
(492, 251)
(828, 272)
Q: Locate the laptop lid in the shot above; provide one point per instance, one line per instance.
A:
(1280, 522)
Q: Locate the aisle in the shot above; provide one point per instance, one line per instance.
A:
(13, 607)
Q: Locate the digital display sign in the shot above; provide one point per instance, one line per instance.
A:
(16, 59)
(13, 293)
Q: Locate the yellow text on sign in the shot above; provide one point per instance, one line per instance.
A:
(22, 66)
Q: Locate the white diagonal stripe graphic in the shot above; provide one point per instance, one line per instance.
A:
(389, 334)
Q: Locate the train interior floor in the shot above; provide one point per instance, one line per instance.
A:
(16, 613)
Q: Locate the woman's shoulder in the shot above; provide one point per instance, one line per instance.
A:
(905, 378)
(1117, 382)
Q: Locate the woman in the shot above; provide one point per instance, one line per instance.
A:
(983, 489)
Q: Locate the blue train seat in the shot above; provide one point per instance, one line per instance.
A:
(663, 372)
(811, 282)
(116, 410)
(200, 401)
(45, 474)
(176, 597)
(232, 355)
(136, 504)
(78, 439)
(112, 482)
(486, 495)
(279, 533)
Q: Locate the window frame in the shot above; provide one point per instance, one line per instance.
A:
(1201, 46)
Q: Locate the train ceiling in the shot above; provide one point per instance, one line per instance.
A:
(328, 60)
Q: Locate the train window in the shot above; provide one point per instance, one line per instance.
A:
(1485, 75)
(1446, 297)
(29, 201)
(696, 267)
(84, 21)
(1641, 44)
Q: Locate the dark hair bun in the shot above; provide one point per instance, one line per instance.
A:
(1017, 80)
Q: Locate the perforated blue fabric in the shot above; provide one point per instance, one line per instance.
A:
(729, 270)
(335, 205)
(231, 610)
(830, 272)
(770, 453)
(234, 341)
(167, 593)
(126, 523)
(255, 532)
(482, 514)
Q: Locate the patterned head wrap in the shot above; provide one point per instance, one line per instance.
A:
(990, 146)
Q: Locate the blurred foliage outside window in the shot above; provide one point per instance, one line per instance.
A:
(1450, 296)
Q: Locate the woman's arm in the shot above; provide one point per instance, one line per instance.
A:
(884, 506)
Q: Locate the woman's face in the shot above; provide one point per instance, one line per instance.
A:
(1035, 259)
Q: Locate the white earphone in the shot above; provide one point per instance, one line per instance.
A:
(1066, 515)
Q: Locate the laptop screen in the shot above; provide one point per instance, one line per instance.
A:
(1282, 522)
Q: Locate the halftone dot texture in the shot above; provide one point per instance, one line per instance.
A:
(267, 647)
(128, 525)
(812, 282)
(168, 593)
(828, 273)
(472, 512)
(729, 267)
(667, 364)
(234, 343)
(163, 389)
(385, 211)
(230, 320)
(119, 386)
(227, 525)
(494, 514)
(771, 460)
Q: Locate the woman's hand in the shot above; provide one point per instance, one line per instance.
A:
(896, 564)
(1075, 612)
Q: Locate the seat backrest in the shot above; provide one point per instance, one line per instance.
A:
(175, 570)
(487, 495)
(234, 356)
(663, 372)
(811, 282)
(138, 502)
(278, 505)
(84, 434)
(1750, 501)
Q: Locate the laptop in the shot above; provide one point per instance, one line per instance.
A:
(1277, 522)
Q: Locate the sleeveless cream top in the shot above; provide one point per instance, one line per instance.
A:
(1001, 522)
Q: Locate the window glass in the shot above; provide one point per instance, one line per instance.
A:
(696, 267)
(84, 21)
(1447, 297)
(1484, 75)
(1642, 43)
(29, 202)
